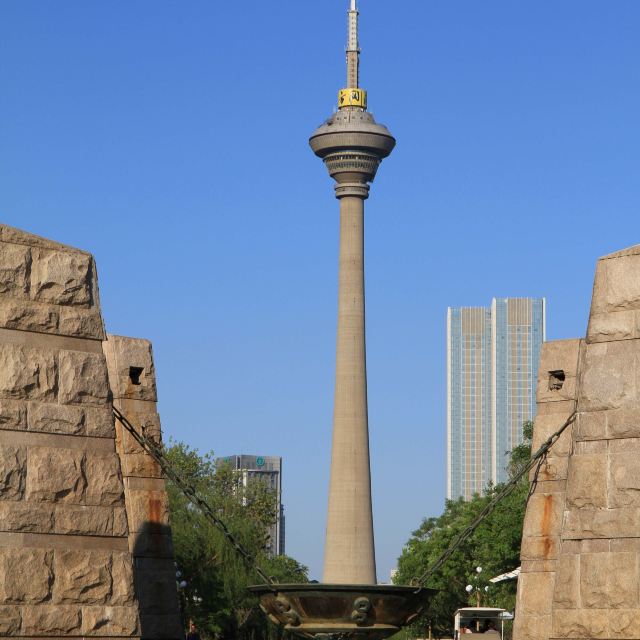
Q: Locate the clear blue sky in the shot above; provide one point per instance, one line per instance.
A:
(170, 139)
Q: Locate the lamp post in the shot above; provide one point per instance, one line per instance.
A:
(475, 585)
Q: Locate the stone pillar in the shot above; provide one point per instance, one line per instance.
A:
(65, 565)
(133, 384)
(595, 588)
(349, 547)
(541, 539)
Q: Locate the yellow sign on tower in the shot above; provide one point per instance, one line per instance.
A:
(352, 98)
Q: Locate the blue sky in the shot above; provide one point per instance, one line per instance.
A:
(170, 139)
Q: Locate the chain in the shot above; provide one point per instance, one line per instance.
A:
(155, 451)
(537, 460)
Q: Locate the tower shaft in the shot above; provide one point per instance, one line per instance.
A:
(349, 547)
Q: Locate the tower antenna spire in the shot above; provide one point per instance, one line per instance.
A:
(353, 49)
(353, 97)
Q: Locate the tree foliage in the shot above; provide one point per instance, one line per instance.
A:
(213, 578)
(494, 546)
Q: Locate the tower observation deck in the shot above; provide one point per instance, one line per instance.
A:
(352, 146)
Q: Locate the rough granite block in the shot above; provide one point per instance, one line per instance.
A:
(580, 623)
(51, 620)
(587, 481)
(148, 511)
(122, 572)
(544, 515)
(607, 327)
(90, 520)
(10, 620)
(567, 584)
(82, 577)
(13, 470)
(99, 422)
(26, 575)
(131, 368)
(83, 378)
(104, 480)
(109, 621)
(537, 587)
(608, 378)
(15, 270)
(601, 523)
(81, 323)
(24, 517)
(609, 580)
(49, 417)
(624, 478)
(617, 287)
(61, 278)
(55, 475)
(28, 316)
(26, 373)
(13, 415)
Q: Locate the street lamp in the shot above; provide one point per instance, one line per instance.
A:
(476, 585)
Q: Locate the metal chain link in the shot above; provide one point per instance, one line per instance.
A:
(536, 459)
(155, 451)
(190, 493)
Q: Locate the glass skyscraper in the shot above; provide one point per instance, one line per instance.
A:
(492, 369)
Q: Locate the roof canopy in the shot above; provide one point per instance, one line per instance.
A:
(479, 613)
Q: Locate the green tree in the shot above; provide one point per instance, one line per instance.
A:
(213, 578)
(286, 570)
(494, 545)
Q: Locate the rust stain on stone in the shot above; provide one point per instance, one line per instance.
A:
(155, 510)
(546, 547)
(545, 525)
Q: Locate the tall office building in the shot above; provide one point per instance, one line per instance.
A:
(492, 368)
(267, 469)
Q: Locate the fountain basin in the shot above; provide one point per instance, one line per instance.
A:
(327, 611)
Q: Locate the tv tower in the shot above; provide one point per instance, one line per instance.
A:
(352, 146)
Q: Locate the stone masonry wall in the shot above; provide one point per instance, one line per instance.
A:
(65, 565)
(594, 589)
(132, 380)
(541, 540)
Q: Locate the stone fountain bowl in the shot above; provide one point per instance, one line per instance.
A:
(324, 611)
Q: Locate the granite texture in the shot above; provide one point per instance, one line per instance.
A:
(581, 544)
(66, 566)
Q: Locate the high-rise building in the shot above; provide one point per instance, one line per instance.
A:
(492, 368)
(267, 469)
